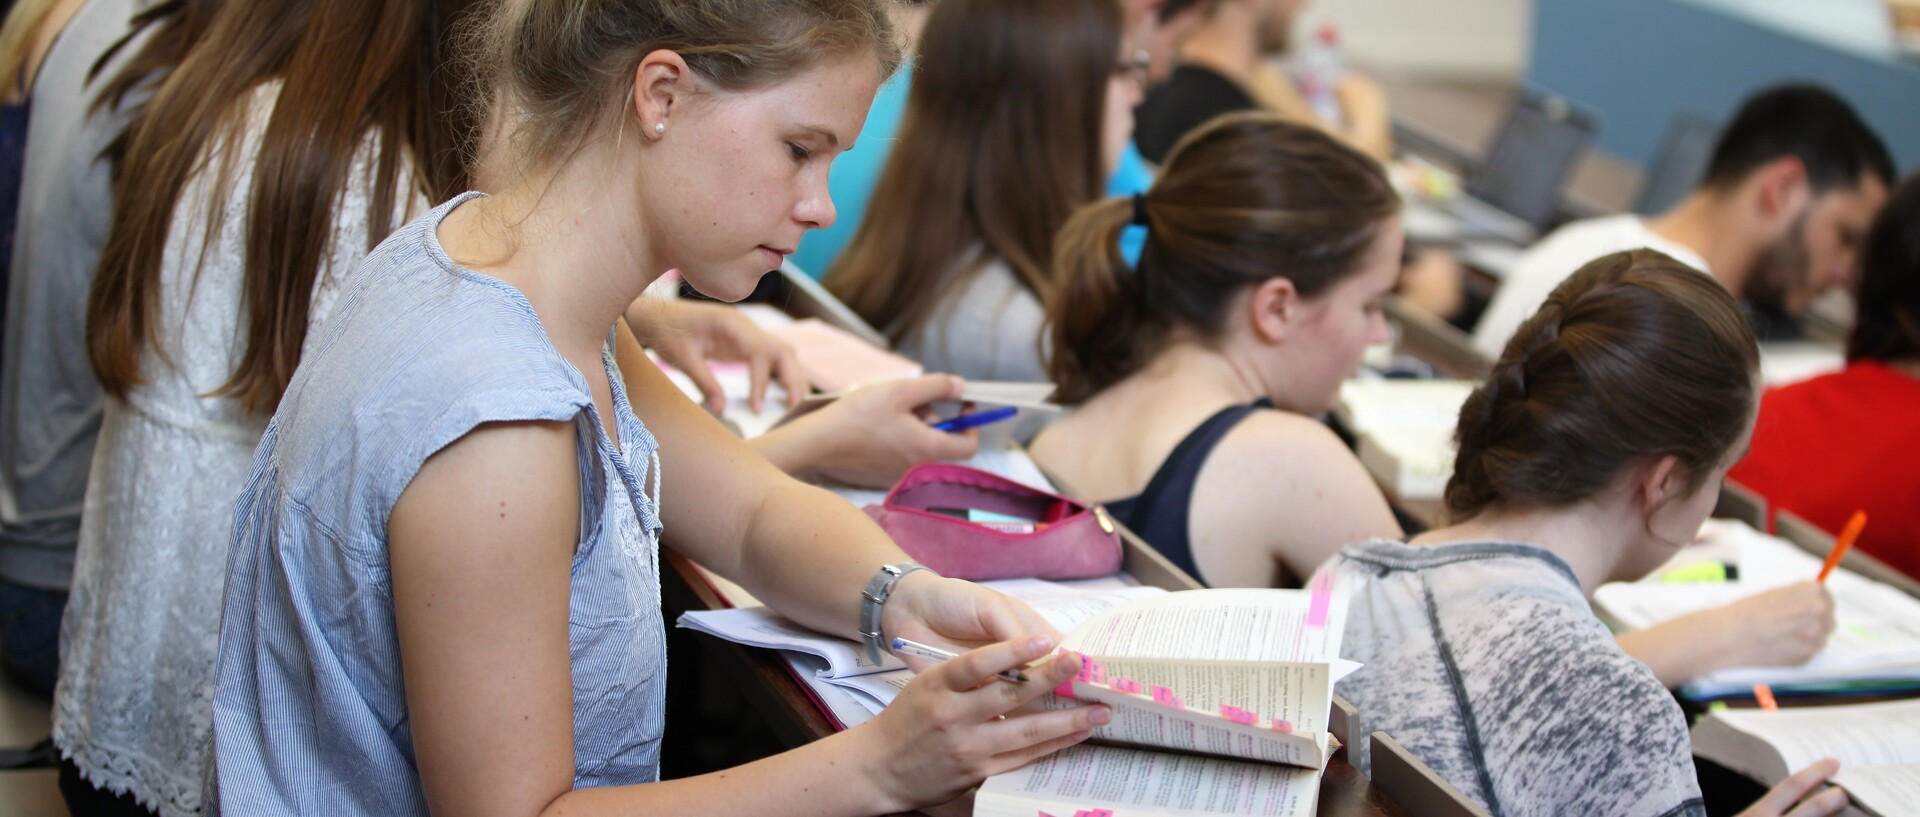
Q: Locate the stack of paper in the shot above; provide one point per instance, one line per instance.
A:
(1876, 643)
(1406, 431)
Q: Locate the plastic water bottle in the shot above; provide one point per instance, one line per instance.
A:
(1318, 71)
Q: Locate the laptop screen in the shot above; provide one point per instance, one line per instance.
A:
(1682, 161)
(1533, 156)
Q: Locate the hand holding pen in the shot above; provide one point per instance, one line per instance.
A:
(976, 419)
(940, 656)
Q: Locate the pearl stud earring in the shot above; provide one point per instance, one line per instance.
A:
(659, 127)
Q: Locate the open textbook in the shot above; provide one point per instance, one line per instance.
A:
(1876, 641)
(1878, 746)
(1238, 685)
(1220, 674)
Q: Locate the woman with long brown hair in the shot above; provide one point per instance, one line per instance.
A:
(1020, 109)
(1195, 372)
(290, 141)
(443, 592)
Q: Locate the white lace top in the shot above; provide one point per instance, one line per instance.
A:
(134, 705)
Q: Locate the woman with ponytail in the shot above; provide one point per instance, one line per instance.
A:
(1593, 452)
(1194, 369)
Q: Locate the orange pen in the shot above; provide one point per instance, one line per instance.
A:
(1841, 545)
(1764, 694)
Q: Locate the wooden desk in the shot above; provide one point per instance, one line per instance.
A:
(768, 684)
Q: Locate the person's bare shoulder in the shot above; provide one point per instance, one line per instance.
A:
(1290, 483)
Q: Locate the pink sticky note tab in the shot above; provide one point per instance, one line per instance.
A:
(1238, 715)
(1096, 672)
(1100, 812)
(1127, 685)
(1065, 689)
(1321, 600)
(1282, 726)
(1086, 668)
(1165, 697)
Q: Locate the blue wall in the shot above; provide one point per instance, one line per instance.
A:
(1639, 62)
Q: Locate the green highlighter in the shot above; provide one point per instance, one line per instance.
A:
(1702, 573)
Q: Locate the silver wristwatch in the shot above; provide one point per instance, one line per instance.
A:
(873, 601)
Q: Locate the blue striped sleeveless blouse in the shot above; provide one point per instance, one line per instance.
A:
(310, 710)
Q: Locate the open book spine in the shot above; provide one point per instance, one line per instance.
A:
(1154, 717)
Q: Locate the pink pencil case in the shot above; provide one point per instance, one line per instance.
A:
(1069, 540)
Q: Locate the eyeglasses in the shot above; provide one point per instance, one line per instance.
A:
(1135, 68)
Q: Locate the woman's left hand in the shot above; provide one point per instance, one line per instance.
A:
(956, 615)
(688, 335)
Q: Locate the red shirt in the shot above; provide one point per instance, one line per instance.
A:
(1840, 443)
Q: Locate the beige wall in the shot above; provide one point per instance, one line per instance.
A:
(1451, 39)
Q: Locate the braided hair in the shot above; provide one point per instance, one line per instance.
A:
(1635, 357)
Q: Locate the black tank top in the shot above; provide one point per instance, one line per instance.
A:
(1159, 514)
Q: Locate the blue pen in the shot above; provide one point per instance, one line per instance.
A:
(976, 419)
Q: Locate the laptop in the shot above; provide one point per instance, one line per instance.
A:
(1685, 152)
(1512, 195)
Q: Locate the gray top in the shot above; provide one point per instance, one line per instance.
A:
(1486, 662)
(50, 403)
(310, 708)
(989, 330)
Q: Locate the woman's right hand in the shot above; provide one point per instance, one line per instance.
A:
(955, 725)
(1781, 800)
(1784, 626)
(871, 435)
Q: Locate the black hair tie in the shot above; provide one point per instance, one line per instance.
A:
(1139, 209)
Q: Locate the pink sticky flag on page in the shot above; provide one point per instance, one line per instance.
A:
(1238, 715)
(1127, 685)
(1165, 697)
(1322, 600)
(1094, 672)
